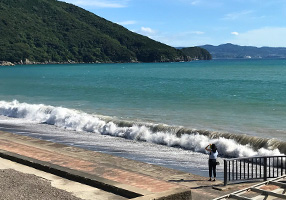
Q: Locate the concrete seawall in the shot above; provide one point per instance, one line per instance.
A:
(126, 178)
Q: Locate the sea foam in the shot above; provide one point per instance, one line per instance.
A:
(229, 145)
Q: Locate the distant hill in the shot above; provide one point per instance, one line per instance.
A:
(53, 31)
(231, 51)
(196, 53)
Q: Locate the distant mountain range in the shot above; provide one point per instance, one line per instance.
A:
(231, 51)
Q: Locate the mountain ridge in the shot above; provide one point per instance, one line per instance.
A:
(232, 51)
(196, 53)
(51, 31)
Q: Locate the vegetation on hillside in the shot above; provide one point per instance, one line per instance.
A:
(196, 53)
(49, 30)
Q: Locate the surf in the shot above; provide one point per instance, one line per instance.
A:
(229, 144)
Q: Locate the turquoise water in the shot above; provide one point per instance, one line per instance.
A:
(235, 96)
(159, 113)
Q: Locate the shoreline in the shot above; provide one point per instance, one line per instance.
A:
(111, 171)
(28, 62)
(116, 146)
(121, 134)
(91, 168)
(174, 136)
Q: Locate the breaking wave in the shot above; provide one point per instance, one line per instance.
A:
(229, 145)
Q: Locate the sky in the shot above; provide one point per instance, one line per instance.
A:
(186, 23)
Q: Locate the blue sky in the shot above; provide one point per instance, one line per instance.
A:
(185, 23)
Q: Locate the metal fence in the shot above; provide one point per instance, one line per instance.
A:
(251, 168)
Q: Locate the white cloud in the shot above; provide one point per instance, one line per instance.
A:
(146, 31)
(267, 36)
(99, 3)
(202, 3)
(195, 2)
(187, 38)
(237, 15)
(234, 33)
(181, 39)
(187, 34)
(186, 41)
(197, 32)
(130, 22)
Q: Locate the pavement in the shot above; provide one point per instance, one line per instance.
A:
(103, 176)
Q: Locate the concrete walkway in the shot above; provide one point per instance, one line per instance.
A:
(127, 179)
(22, 182)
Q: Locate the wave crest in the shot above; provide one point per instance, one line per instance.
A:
(229, 145)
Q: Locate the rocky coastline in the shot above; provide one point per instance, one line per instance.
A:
(6, 63)
(28, 62)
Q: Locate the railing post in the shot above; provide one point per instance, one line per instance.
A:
(265, 168)
(231, 169)
(225, 172)
(282, 168)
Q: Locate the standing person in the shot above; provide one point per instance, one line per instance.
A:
(212, 160)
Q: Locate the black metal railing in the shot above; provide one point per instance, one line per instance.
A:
(250, 168)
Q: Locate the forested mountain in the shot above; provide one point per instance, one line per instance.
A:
(196, 53)
(230, 51)
(54, 31)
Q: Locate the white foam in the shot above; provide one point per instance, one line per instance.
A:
(80, 121)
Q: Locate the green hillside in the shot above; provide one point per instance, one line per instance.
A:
(196, 53)
(49, 30)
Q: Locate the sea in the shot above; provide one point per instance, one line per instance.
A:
(159, 113)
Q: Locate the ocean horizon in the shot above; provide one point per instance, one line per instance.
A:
(160, 113)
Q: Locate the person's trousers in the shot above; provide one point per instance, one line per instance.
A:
(212, 167)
